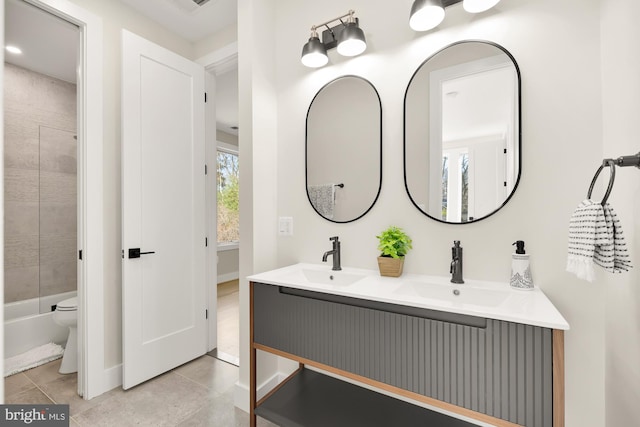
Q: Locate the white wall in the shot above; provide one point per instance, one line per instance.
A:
(258, 150)
(621, 110)
(557, 45)
(228, 265)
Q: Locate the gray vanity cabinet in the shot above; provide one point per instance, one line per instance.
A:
(488, 367)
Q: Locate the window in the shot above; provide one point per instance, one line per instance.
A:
(445, 185)
(455, 185)
(228, 196)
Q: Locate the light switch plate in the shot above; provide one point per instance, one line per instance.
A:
(285, 226)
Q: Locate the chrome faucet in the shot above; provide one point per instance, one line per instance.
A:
(335, 252)
(456, 263)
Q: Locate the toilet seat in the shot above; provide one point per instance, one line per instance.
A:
(70, 304)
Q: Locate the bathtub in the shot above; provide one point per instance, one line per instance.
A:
(25, 328)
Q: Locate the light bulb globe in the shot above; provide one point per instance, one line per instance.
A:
(314, 54)
(477, 6)
(351, 40)
(426, 14)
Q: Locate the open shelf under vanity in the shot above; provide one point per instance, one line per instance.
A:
(309, 398)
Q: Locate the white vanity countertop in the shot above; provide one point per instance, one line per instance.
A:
(492, 300)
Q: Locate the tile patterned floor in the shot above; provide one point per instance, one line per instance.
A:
(199, 393)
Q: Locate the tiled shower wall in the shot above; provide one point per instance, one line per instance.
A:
(40, 185)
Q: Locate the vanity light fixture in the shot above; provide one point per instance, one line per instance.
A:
(477, 6)
(428, 14)
(347, 36)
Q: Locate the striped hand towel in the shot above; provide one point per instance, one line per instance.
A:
(595, 236)
(621, 260)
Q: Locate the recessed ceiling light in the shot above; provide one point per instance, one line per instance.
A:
(13, 49)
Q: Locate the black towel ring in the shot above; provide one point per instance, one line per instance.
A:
(612, 165)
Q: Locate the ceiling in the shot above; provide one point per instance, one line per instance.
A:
(186, 18)
(50, 44)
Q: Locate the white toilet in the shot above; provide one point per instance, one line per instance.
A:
(66, 315)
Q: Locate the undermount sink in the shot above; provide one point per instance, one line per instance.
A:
(324, 276)
(331, 277)
(454, 294)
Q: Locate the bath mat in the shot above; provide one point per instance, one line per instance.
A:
(32, 358)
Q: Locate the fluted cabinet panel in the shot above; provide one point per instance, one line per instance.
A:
(503, 370)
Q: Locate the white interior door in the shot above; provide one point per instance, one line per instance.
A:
(163, 210)
(487, 168)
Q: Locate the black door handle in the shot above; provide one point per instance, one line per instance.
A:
(135, 253)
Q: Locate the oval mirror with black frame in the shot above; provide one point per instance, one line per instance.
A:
(344, 149)
(462, 140)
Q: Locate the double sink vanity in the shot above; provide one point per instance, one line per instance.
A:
(478, 353)
(452, 355)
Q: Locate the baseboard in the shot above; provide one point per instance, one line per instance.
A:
(228, 276)
(241, 397)
(241, 391)
(112, 378)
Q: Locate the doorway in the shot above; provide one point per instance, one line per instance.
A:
(227, 215)
(89, 189)
(472, 166)
(40, 182)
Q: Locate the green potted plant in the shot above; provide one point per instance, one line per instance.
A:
(394, 244)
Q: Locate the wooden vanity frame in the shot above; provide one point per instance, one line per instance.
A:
(557, 369)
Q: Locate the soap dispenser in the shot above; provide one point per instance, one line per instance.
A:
(520, 271)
